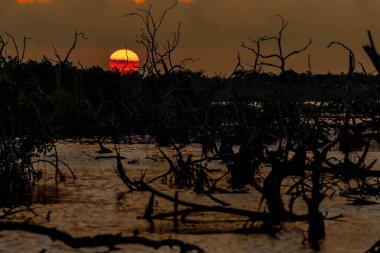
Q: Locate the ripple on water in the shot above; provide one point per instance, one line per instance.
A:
(90, 206)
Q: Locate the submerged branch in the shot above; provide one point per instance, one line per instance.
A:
(106, 240)
(252, 215)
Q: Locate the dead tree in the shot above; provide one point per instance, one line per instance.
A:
(61, 63)
(161, 72)
(257, 66)
(159, 58)
(17, 58)
(280, 56)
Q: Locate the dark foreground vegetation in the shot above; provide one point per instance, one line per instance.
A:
(288, 121)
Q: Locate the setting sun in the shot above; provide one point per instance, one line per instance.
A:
(124, 61)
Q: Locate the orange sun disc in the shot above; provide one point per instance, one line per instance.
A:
(124, 61)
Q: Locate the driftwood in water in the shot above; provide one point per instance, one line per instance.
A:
(106, 240)
(194, 208)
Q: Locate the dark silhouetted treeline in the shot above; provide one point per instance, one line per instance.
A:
(93, 102)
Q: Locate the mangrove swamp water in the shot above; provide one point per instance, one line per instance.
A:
(97, 202)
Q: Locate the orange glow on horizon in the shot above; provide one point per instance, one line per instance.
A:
(138, 1)
(33, 1)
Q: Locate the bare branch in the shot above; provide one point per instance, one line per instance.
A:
(279, 55)
(309, 65)
(351, 56)
(24, 47)
(284, 24)
(271, 65)
(256, 51)
(237, 66)
(158, 57)
(165, 12)
(2, 47)
(298, 51)
(372, 52)
(363, 68)
(371, 41)
(14, 44)
(74, 44)
(56, 54)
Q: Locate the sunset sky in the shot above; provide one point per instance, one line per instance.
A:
(212, 30)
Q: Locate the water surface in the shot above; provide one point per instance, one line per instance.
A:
(98, 202)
